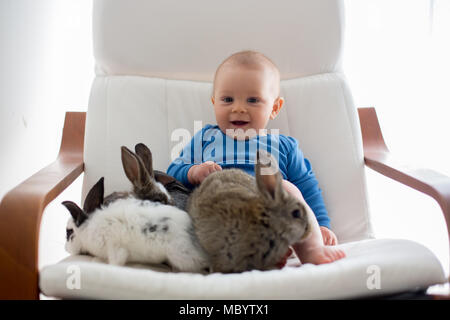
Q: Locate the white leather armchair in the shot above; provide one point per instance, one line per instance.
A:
(155, 62)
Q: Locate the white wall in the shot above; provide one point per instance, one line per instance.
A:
(396, 59)
(46, 69)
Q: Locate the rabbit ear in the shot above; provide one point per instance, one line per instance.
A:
(268, 177)
(77, 214)
(163, 177)
(169, 182)
(143, 152)
(135, 169)
(94, 198)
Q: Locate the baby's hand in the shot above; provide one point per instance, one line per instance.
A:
(197, 173)
(329, 238)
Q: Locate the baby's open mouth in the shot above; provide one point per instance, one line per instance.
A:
(239, 123)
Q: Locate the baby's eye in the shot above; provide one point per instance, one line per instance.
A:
(252, 100)
(227, 99)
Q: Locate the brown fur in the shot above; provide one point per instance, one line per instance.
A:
(245, 223)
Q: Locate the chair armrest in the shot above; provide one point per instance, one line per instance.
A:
(21, 211)
(378, 158)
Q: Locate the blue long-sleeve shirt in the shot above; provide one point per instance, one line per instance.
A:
(211, 144)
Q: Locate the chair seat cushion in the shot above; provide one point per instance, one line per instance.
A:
(372, 267)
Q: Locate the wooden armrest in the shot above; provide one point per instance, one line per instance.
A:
(21, 211)
(378, 158)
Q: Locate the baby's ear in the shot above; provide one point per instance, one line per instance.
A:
(277, 105)
(212, 100)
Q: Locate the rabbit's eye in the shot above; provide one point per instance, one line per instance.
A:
(296, 213)
(69, 232)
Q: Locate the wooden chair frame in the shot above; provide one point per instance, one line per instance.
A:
(21, 208)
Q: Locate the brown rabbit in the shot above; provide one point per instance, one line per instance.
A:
(246, 223)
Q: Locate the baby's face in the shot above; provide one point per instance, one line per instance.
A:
(245, 98)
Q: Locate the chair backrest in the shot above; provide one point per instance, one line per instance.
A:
(155, 62)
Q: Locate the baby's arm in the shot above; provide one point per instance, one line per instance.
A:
(328, 236)
(300, 173)
(303, 179)
(179, 170)
(184, 168)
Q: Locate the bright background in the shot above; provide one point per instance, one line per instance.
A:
(395, 58)
(46, 69)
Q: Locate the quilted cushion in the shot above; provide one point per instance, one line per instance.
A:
(371, 268)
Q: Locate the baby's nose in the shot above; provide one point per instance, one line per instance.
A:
(239, 108)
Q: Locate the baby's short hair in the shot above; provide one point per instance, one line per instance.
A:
(250, 59)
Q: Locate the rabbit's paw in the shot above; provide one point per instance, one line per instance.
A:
(117, 256)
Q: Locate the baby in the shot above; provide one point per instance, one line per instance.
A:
(246, 95)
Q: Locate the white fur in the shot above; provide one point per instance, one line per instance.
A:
(115, 233)
(163, 190)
